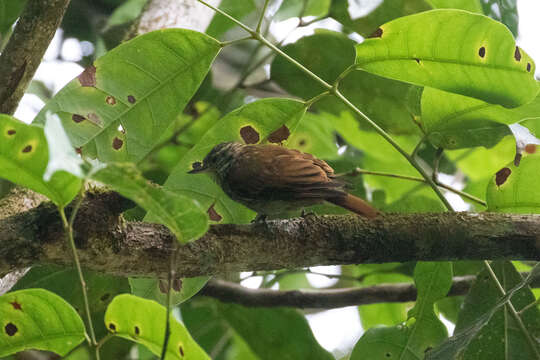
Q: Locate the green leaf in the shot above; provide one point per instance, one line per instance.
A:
(9, 12)
(101, 290)
(366, 22)
(423, 329)
(453, 121)
(238, 9)
(62, 156)
(24, 155)
(150, 288)
(297, 8)
(504, 11)
(485, 330)
(126, 12)
(181, 214)
(143, 321)
(469, 5)
(38, 319)
(117, 109)
(383, 100)
(514, 189)
(455, 51)
(256, 121)
(279, 333)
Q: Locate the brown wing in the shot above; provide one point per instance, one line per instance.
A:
(277, 173)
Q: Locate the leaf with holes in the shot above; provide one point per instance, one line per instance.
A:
(38, 319)
(454, 121)
(182, 215)
(143, 321)
(254, 123)
(455, 51)
(24, 155)
(423, 329)
(515, 189)
(118, 107)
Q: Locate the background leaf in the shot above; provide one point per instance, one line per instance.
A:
(117, 109)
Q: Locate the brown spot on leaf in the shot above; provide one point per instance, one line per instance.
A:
(78, 150)
(517, 54)
(517, 159)
(10, 329)
(177, 284)
(388, 355)
(181, 350)
(502, 175)
(11, 132)
(163, 288)
(482, 52)
(528, 67)
(377, 33)
(137, 330)
(196, 165)
(249, 135)
(104, 297)
(117, 143)
(95, 119)
(530, 148)
(27, 148)
(131, 99)
(88, 76)
(417, 60)
(16, 305)
(279, 135)
(213, 214)
(302, 142)
(77, 118)
(110, 100)
(112, 327)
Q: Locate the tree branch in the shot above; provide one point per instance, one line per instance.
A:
(326, 299)
(22, 55)
(110, 245)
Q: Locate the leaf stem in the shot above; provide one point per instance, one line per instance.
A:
(316, 98)
(419, 179)
(68, 228)
(261, 17)
(171, 276)
(235, 41)
(512, 310)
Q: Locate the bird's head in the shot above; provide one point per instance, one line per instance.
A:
(218, 159)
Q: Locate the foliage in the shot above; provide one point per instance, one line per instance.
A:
(441, 81)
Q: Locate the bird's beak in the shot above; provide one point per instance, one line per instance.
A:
(198, 168)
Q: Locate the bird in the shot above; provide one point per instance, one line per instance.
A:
(271, 179)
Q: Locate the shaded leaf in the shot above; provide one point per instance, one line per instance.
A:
(182, 215)
(117, 109)
(297, 8)
(238, 9)
(149, 288)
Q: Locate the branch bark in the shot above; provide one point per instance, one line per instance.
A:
(110, 245)
(22, 55)
(326, 299)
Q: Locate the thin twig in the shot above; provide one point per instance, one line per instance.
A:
(261, 17)
(418, 179)
(68, 228)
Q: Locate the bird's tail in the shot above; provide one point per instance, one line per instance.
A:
(355, 204)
